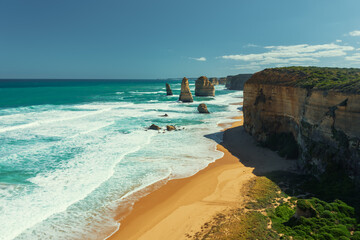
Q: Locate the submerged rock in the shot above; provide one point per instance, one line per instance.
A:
(202, 108)
(154, 127)
(170, 128)
(185, 94)
(168, 90)
(203, 87)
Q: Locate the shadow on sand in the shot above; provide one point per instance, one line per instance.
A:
(333, 184)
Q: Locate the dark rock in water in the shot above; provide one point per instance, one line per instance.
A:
(185, 94)
(203, 87)
(154, 127)
(170, 128)
(168, 90)
(165, 115)
(202, 108)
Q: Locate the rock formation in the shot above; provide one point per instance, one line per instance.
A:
(202, 108)
(185, 93)
(317, 110)
(222, 81)
(237, 82)
(170, 128)
(154, 127)
(168, 90)
(203, 87)
(214, 81)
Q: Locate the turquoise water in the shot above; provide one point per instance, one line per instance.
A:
(72, 152)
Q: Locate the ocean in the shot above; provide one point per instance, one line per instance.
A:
(73, 151)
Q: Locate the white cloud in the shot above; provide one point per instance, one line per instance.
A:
(354, 33)
(338, 40)
(355, 57)
(292, 54)
(201, 59)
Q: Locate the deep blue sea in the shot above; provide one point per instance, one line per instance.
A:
(74, 151)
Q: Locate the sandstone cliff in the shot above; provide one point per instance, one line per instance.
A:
(185, 93)
(237, 82)
(203, 87)
(309, 111)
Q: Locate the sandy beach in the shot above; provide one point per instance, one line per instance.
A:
(178, 209)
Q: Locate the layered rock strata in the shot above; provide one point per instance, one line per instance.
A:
(185, 93)
(323, 123)
(203, 87)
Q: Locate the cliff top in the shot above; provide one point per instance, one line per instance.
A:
(321, 78)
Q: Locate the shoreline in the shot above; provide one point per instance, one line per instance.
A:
(165, 212)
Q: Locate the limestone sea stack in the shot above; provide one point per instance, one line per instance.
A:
(222, 81)
(214, 81)
(185, 94)
(203, 87)
(168, 90)
(202, 108)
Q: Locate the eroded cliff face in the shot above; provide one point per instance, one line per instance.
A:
(324, 123)
(237, 82)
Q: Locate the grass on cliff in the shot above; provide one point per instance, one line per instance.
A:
(322, 78)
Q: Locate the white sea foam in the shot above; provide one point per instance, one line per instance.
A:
(99, 156)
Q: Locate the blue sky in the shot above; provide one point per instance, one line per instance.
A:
(166, 38)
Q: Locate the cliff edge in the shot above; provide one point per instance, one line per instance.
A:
(308, 113)
(237, 82)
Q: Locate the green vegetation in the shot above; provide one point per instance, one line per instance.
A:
(269, 212)
(249, 223)
(264, 192)
(316, 220)
(340, 79)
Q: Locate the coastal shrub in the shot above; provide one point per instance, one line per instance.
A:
(284, 212)
(320, 220)
(356, 236)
